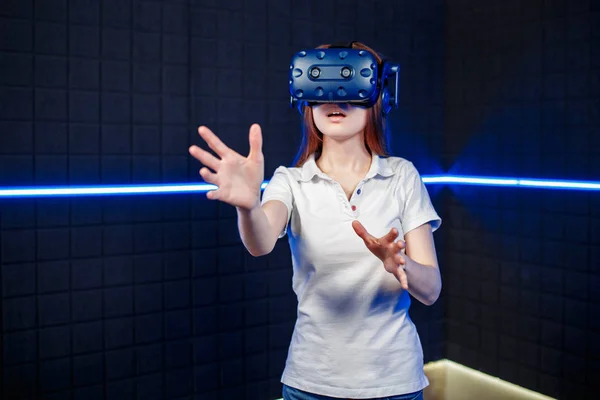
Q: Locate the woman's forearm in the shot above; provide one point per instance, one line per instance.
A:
(424, 282)
(255, 231)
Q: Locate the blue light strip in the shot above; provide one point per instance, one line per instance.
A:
(104, 190)
(513, 182)
(57, 191)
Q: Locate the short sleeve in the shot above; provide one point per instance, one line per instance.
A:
(416, 208)
(279, 188)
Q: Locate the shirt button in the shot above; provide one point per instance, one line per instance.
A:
(353, 208)
(358, 191)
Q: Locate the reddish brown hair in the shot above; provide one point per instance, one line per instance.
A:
(375, 129)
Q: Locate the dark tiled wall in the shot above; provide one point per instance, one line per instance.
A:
(523, 99)
(154, 296)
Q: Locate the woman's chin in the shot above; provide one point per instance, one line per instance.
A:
(339, 134)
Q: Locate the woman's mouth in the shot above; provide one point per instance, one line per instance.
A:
(336, 116)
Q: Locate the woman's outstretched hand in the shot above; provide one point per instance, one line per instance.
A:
(387, 250)
(238, 178)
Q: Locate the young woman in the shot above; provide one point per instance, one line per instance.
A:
(360, 231)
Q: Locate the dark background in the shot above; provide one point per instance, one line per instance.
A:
(522, 283)
(155, 297)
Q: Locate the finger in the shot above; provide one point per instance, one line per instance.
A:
(403, 278)
(391, 236)
(208, 176)
(214, 194)
(361, 231)
(213, 141)
(400, 260)
(400, 245)
(400, 272)
(256, 141)
(205, 158)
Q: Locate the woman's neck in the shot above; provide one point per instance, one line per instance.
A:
(344, 157)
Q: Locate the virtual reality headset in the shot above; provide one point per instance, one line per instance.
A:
(341, 74)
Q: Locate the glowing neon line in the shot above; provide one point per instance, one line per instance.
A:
(513, 182)
(560, 184)
(464, 180)
(107, 190)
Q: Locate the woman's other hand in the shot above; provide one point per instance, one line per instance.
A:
(387, 250)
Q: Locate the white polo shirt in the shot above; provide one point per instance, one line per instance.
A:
(353, 336)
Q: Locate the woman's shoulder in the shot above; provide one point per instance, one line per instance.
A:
(399, 165)
(291, 174)
(299, 172)
(282, 169)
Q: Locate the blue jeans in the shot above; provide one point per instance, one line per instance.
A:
(290, 393)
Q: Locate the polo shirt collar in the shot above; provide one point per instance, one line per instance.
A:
(379, 166)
